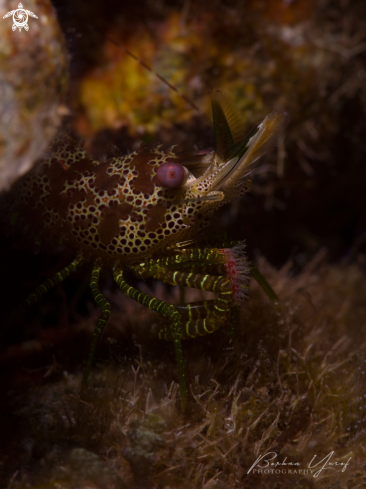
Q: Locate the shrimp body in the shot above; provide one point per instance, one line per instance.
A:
(117, 210)
(140, 212)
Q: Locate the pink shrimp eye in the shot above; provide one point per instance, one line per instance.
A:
(171, 175)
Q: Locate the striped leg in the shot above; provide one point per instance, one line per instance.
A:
(230, 263)
(40, 291)
(199, 318)
(167, 311)
(231, 284)
(212, 283)
(186, 259)
(105, 307)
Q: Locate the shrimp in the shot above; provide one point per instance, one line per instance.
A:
(141, 213)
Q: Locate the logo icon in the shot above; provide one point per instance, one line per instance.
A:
(20, 17)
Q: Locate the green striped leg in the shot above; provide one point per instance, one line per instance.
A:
(188, 258)
(105, 307)
(203, 317)
(167, 311)
(199, 318)
(41, 290)
(212, 283)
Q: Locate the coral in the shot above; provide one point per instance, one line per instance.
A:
(33, 81)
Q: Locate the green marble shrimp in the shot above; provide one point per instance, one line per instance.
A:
(140, 213)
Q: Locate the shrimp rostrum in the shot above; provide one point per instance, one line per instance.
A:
(140, 213)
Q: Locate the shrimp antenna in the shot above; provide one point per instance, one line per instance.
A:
(162, 79)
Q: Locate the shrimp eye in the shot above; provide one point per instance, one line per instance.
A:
(171, 175)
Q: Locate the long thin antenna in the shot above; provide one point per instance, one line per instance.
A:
(162, 79)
